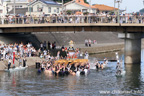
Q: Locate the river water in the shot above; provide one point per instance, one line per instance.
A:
(97, 83)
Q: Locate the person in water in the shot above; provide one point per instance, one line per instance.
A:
(118, 68)
(39, 70)
(97, 65)
(24, 62)
(101, 66)
(63, 68)
(82, 72)
(42, 66)
(9, 63)
(20, 61)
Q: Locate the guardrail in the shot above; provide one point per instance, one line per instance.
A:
(71, 19)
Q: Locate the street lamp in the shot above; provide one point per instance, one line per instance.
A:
(14, 8)
(30, 8)
(114, 6)
(118, 1)
(7, 8)
(62, 6)
(89, 6)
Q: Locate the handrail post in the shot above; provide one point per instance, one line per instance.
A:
(87, 19)
(15, 19)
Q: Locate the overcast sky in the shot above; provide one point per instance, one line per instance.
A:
(131, 5)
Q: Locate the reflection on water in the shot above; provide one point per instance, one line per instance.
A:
(29, 83)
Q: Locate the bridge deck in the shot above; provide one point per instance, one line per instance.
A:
(62, 27)
(68, 24)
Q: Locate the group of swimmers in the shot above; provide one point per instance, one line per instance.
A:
(101, 65)
(63, 68)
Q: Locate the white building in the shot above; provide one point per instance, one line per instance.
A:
(8, 7)
(48, 7)
(79, 6)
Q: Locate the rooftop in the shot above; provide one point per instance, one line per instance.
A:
(102, 7)
(48, 2)
(81, 2)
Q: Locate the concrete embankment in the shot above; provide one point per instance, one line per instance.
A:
(78, 38)
(30, 62)
(103, 48)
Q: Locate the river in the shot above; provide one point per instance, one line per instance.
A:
(102, 82)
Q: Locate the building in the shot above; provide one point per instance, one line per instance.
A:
(79, 6)
(1, 9)
(104, 8)
(7, 7)
(21, 6)
(48, 7)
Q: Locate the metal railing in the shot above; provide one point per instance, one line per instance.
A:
(72, 19)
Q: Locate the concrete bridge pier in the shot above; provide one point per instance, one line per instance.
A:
(132, 49)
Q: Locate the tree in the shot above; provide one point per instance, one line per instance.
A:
(86, 1)
(142, 10)
(69, 12)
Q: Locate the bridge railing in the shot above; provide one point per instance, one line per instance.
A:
(71, 19)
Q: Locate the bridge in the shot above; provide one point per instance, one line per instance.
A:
(131, 33)
(74, 27)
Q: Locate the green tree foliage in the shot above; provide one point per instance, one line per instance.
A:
(86, 1)
(142, 10)
(65, 1)
(69, 12)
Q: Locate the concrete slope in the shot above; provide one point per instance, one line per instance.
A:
(78, 38)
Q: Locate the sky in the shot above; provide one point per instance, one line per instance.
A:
(129, 5)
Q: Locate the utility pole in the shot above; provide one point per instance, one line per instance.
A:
(14, 8)
(118, 12)
(114, 6)
(89, 6)
(119, 1)
(30, 8)
(62, 7)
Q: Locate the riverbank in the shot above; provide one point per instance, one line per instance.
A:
(30, 62)
(101, 48)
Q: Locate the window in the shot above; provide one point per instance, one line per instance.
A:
(84, 10)
(54, 10)
(1, 11)
(57, 10)
(30, 9)
(37, 8)
(49, 10)
(94, 10)
(41, 9)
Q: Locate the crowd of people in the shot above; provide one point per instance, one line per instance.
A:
(47, 45)
(63, 68)
(95, 18)
(48, 62)
(19, 52)
(101, 65)
(89, 42)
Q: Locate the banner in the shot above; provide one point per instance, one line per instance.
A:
(13, 57)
